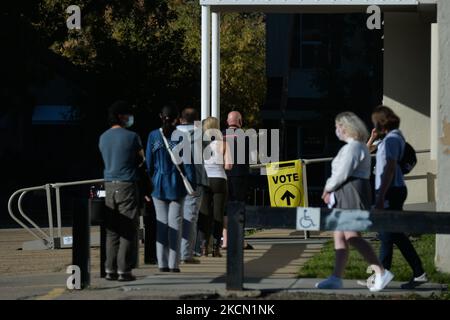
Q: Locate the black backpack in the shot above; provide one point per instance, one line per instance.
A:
(409, 159)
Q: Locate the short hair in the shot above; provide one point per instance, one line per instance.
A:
(170, 111)
(189, 114)
(117, 109)
(385, 118)
(353, 126)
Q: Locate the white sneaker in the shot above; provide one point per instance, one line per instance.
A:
(381, 281)
(331, 282)
(368, 283)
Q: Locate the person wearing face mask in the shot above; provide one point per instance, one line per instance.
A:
(169, 190)
(391, 191)
(349, 188)
(122, 152)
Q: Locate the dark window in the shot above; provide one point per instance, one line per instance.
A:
(310, 49)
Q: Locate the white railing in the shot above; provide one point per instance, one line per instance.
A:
(49, 240)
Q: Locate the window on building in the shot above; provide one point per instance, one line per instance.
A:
(310, 45)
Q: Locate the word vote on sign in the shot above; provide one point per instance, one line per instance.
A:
(285, 184)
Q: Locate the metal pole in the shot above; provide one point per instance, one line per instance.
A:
(102, 250)
(48, 191)
(81, 244)
(58, 212)
(205, 84)
(215, 66)
(305, 192)
(150, 237)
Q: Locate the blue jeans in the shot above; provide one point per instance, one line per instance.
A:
(169, 216)
(191, 209)
(396, 197)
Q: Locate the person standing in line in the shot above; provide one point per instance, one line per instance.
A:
(121, 151)
(239, 175)
(169, 190)
(391, 191)
(192, 202)
(215, 195)
(349, 188)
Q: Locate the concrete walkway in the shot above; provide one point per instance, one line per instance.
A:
(269, 269)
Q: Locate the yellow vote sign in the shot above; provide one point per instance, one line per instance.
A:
(285, 183)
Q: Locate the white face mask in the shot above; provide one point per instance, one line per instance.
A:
(130, 122)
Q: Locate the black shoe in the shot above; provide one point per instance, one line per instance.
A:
(164, 269)
(111, 276)
(248, 246)
(126, 277)
(415, 282)
(176, 270)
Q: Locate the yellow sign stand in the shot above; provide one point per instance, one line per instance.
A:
(285, 184)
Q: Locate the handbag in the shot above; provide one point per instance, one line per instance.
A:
(186, 182)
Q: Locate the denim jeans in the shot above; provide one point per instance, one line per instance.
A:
(169, 216)
(396, 197)
(191, 209)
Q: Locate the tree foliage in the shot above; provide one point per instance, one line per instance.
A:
(148, 51)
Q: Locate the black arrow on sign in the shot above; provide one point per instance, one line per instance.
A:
(288, 196)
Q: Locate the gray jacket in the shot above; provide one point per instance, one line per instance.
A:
(200, 172)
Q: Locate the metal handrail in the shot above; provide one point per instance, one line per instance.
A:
(13, 216)
(48, 239)
(323, 160)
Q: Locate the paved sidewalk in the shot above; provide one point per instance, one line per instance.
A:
(270, 269)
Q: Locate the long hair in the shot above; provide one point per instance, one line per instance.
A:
(354, 127)
(385, 118)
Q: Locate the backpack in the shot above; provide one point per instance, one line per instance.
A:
(409, 159)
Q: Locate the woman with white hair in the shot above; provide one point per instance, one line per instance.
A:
(349, 188)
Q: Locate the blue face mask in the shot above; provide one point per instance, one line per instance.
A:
(130, 122)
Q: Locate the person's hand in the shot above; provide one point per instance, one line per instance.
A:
(373, 135)
(326, 197)
(148, 199)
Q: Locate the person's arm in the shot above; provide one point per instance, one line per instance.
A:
(149, 156)
(228, 162)
(348, 159)
(141, 154)
(370, 143)
(386, 180)
(393, 149)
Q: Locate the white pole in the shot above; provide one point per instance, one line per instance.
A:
(215, 66)
(205, 84)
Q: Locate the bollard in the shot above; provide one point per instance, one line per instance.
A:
(102, 250)
(150, 235)
(97, 213)
(235, 251)
(149, 241)
(81, 245)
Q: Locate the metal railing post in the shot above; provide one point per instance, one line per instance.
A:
(305, 192)
(48, 192)
(58, 212)
(431, 192)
